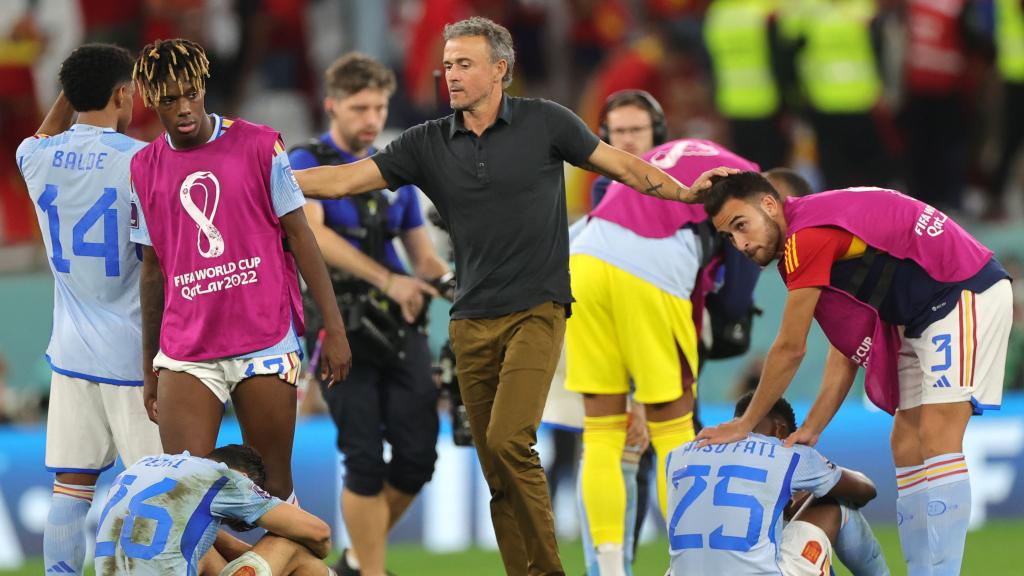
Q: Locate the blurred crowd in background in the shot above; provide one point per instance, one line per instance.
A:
(926, 96)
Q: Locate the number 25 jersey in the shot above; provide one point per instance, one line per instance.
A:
(79, 183)
(725, 502)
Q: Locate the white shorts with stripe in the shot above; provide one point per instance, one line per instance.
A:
(90, 424)
(223, 376)
(962, 357)
(805, 550)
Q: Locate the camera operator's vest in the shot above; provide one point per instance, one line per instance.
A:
(902, 227)
(372, 232)
(370, 316)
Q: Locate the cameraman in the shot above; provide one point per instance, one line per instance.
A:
(389, 394)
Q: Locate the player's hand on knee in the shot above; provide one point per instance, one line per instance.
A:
(802, 435)
(335, 356)
(149, 386)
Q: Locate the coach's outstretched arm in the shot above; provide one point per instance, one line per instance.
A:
(645, 178)
(327, 182)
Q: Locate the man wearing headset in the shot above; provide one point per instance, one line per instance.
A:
(634, 268)
(631, 120)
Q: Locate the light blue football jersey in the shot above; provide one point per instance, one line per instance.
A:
(79, 183)
(162, 514)
(725, 502)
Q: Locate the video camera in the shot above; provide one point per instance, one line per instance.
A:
(462, 435)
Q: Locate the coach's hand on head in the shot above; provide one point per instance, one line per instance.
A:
(646, 178)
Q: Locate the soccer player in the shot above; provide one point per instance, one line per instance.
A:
(634, 269)
(78, 180)
(163, 514)
(900, 288)
(736, 527)
(220, 216)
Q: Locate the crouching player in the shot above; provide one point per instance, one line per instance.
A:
(736, 526)
(164, 512)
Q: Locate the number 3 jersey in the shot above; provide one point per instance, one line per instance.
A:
(162, 514)
(79, 183)
(726, 501)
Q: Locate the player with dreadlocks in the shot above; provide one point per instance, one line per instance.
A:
(219, 214)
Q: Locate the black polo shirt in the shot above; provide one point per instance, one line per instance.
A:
(503, 197)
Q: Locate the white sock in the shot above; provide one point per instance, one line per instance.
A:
(949, 511)
(65, 532)
(610, 560)
(912, 518)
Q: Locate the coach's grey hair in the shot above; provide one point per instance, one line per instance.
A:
(499, 38)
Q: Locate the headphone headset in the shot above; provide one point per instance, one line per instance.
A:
(658, 124)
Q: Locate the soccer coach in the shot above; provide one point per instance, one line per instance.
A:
(494, 169)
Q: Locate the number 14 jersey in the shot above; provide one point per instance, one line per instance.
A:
(79, 183)
(726, 501)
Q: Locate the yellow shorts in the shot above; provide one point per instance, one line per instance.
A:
(622, 327)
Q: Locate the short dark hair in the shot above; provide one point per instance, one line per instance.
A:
(742, 186)
(498, 38)
(782, 409)
(797, 183)
(355, 72)
(90, 74)
(242, 458)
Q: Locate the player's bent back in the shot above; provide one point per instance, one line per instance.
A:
(163, 513)
(726, 501)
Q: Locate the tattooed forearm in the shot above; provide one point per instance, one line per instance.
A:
(653, 189)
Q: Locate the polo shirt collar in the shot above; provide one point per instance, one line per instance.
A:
(503, 114)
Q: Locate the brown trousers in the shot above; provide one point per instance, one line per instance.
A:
(505, 366)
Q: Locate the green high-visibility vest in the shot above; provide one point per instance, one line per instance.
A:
(1010, 40)
(837, 64)
(736, 35)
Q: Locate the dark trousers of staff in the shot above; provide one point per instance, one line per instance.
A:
(505, 365)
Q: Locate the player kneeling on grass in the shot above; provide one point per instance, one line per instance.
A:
(163, 516)
(727, 503)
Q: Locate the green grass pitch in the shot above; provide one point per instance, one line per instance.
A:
(988, 552)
